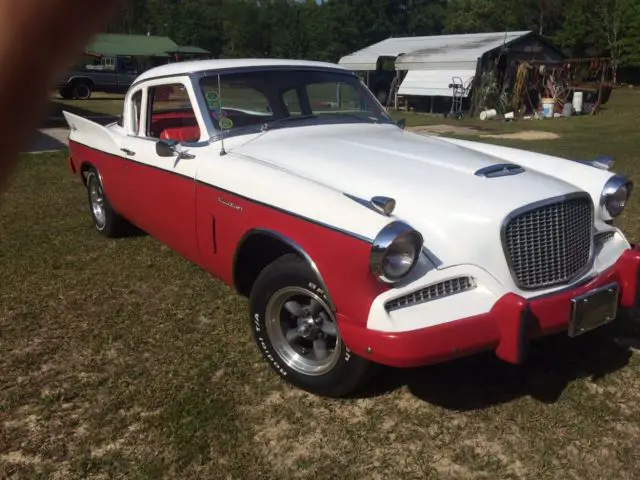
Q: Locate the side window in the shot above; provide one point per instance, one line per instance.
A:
(171, 115)
(136, 112)
(332, 97)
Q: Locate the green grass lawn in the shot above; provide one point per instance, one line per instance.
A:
(119, 359)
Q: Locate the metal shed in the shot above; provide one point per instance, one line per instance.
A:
(431, 63)
(432, 67)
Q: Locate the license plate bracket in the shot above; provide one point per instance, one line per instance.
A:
(593, 309)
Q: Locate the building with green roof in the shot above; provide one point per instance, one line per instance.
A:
(112, 45)
(111, 62)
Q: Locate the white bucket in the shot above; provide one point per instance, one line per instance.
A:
(577, 101)
(547, 107)
(487, 114)
(509, 116)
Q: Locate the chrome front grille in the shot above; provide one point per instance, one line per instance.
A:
(432, 292)
(550, 244)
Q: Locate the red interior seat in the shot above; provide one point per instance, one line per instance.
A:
(182, 134)
(163, 121)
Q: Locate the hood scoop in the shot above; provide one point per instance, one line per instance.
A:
(499, 170)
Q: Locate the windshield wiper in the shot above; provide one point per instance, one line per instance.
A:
(268, 125)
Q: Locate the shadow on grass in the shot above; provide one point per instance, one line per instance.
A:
(483, 381)
(133, 231)
(44, 142)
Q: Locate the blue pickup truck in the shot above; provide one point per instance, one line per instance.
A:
(105, 74)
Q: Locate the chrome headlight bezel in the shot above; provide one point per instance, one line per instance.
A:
(616, 185)
(391, 235)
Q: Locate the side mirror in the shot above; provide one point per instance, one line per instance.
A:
(402, 123)
(166, 148)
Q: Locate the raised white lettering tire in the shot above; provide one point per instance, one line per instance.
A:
(295, 328)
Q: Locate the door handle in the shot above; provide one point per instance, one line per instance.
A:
(131, 153)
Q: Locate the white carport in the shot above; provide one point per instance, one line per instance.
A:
(431, 62)
(367, 58)
(446, 59)
(434, 83)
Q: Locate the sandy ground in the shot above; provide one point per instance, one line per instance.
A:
(525, 135)
(452, 129)
(443, 129)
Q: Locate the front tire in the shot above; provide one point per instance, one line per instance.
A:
(105, 219)
(294, 327)
(66, 93)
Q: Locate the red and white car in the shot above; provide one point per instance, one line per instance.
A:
(358, 242)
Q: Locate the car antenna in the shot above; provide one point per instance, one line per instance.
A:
(222, 150)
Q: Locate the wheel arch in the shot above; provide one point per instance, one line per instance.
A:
(81, 79)
(247, 263)
(85, 168)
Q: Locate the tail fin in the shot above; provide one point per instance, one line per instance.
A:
(90, 133)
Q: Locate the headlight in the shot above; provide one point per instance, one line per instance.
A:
(615, 194)
(395, 251)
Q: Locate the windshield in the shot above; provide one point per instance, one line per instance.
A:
(253, 101)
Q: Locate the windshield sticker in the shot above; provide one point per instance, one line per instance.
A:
(225, 123)
(213, 99)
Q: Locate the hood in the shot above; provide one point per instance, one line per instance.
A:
(432, 180)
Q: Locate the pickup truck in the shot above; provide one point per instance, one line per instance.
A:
(111, 75)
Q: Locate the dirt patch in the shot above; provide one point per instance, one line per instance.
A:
(525, 135)
(443, 129)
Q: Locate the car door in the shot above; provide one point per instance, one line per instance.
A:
(162, 189)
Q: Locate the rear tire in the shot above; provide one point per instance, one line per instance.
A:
(82, 90)
(105, 219)
(294, 326)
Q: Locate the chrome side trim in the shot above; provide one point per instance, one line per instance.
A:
(499, 170)
(361, 201)
(533, 206)
(290, 243)
(602, 162)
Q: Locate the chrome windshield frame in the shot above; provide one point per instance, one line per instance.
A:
(215, 134)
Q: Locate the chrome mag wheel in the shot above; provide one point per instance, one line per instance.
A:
(303, 331)
(96, 196)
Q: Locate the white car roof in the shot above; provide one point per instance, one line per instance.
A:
(182, 68)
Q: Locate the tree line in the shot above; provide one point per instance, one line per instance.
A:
(329, 29)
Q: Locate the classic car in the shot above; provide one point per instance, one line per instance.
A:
(356, 242)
